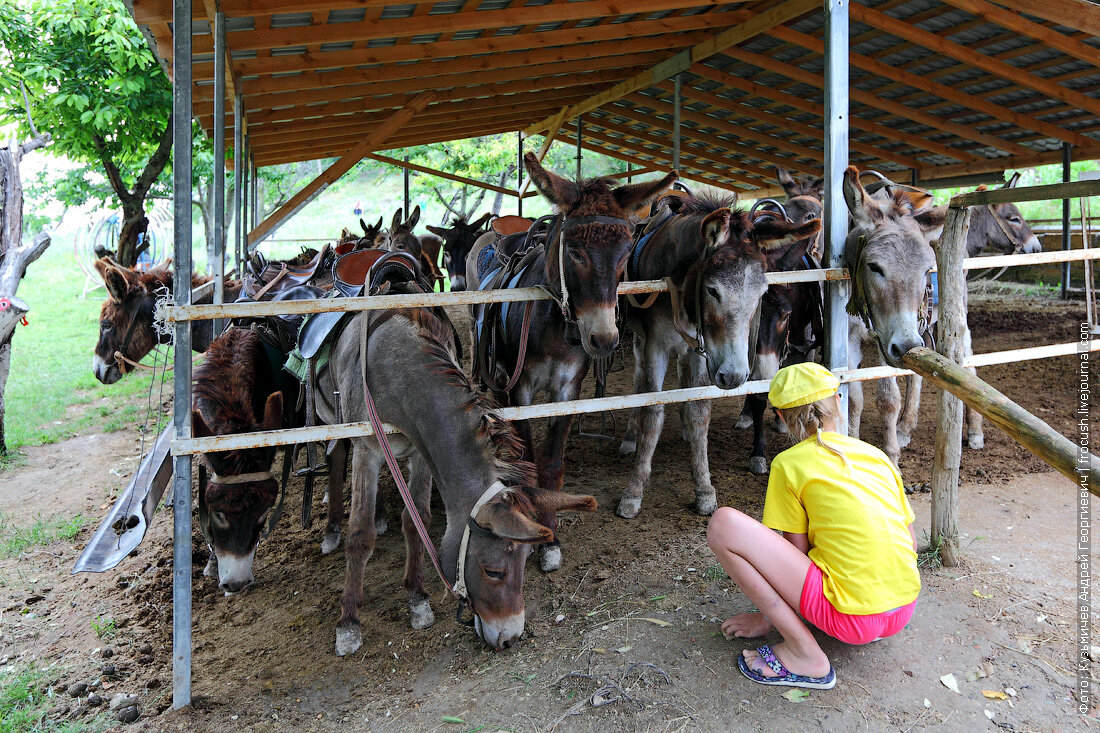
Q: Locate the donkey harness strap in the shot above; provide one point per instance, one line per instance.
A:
(242, 478)
(489, 494)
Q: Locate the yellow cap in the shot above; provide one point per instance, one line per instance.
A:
(801, 384)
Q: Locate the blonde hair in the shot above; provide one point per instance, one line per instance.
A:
(806, 419)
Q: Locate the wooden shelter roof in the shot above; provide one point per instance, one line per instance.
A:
(945, 87)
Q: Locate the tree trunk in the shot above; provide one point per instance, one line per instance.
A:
(498, 200)
(134, 224)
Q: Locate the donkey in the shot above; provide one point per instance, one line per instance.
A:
(458, 240)
(583, 262)
(450, 431)
(126, 331)
(716, 258)
(400, 237)
(236, 390)
(805, 186)
(1000, 228)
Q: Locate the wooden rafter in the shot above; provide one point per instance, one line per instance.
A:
(1079, 14)
(1012, 21)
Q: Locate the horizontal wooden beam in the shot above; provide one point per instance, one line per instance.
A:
(465, 180)
(1048, 192)
(1049, 37)
(754, 26)
(1079, 14)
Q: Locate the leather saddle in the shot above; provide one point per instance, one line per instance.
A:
(506, 225)
(264, 278)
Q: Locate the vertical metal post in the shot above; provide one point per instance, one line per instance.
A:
(255, 179)
(836, 211)
(913, 177)
(408, 200)
(676, 97)
(219, 162)
(519, 173)
(246, 200)
(580, 135)
(181, 225)
(1067, 233)
(238, 181)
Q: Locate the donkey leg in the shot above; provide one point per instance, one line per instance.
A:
(698, 424)
(630, 440)
(420, 484)
(360, 546)
(653, 377)
(758, 460)
(889, 405)
(855, 389)
(975, 435)
(337, 467)
(684, 379)
(551, 468)
(910, 410)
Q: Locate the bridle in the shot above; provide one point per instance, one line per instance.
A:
(857, 302)
(120, 353)
(565, 224)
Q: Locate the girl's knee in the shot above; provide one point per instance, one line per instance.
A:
(723, 525)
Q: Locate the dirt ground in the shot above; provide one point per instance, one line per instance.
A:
(624, 637)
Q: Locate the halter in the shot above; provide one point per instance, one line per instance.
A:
(120, 354)
(565, 224)
(857, 302)
(242, 478)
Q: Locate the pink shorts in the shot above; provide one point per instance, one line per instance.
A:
(849, 628)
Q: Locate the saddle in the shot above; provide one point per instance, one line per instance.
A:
(263, 278)
(506, 225)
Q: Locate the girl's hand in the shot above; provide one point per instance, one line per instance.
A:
(746, 626)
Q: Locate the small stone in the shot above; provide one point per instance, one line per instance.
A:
(129, 714)
(106, 652)
(145, 648)
(78, 689)
(146, 659)
(109, 671)
(61, 711)
(95, 700)
(122, 700)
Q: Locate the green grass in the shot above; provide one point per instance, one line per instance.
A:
(104, 628)
(14, 541)
(25, 697)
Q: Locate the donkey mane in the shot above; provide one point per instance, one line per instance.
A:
(225, 381)
(152, 280)
(708, 202)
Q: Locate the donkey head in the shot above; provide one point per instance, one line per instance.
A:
(889, 257)
(500, 543)
(804, 186)
(231, 515)
(458, 240)
(370, 234)
(126, 317)
(999, 227)
(595, 254)
(728, 283)
(401, 237)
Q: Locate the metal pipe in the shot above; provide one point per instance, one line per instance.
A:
(246, 200)
(255, 178)
(408, 201)
(580, 135)
(676, 101)
(238, 180)
(181, 482)
(1067, 234)
(835, 210)
(519, 174)
(219, 162)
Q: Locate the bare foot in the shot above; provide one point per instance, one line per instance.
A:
(807, 665)
(746, 625)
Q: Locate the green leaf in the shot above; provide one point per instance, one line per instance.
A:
(796, 694)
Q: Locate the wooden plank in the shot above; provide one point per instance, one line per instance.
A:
(441, 174)
(1013, 162)
(1048, 36)
(969, 101)
(754, 26)
(1079, 14)
(477, 20)
(340, 167)
(1049, 192)
(939, 44)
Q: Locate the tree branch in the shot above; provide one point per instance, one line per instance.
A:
(114, 177)
(35, 143)
(13, 265)
(156, 163)
(27, 105)
(435, 190)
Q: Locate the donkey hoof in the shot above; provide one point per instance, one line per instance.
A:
(211, 569)
(324, 499)
(758, 465)
(380, 526)
(744, 421)
(904, 439)
(629, 507)
(685, 435)
(628, 446)
(706, 504)
(420, 613)
(550, 558)
(976, 441)
(330, 542)
(348, 640)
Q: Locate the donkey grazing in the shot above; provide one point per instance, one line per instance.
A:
(582, 264)
(126, 332)
(715, 259)
(237, 390)
(450, 431)
(458, 240)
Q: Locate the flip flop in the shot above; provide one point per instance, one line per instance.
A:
(784, 678)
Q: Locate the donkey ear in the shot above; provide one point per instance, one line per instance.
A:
(378, 226)
(413, 218)
(783, 260)
(931, 221)
(502, 518)
(1014, 180)
(862, 207)
(363, 224)
(118, 283)
(819, 186)
(784, 177)
(273, 412)
(917, 199)
(773, 234)
(558, 501)
(631, 196)
(199, 428)
(716, 227)
(559, 191)
(482, 221)
(397, 219)
(438, 231)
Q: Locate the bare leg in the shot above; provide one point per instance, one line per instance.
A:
(337, 465)
(697, 425)
(771, 572)
(551, 466)
(420, 484)
(360, 546)
(653, 377)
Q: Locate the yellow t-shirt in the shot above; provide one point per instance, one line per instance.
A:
(856, 521)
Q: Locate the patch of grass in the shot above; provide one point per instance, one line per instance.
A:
(25, 696)
(14, 541)
(929, 557)
(104, 627)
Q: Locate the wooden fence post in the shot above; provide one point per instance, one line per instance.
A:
(950, 333)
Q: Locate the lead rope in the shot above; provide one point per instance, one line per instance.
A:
(561, 271)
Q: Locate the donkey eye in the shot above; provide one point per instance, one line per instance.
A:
(875, 268)
(220, 520)
(713, 292)
(576, 256)
(494, 574)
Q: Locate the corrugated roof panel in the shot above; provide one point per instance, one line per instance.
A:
(291, 20)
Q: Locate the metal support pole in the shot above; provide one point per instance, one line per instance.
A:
(219, 162)
(246, 200)
(1067, 233)
(580, 136)
(519, 173)
(836, 211)
(408, 199)
(255, 179)
(238, 178)
(913, 177)
(676, 81)
(181, 410)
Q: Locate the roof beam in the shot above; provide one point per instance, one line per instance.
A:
(939, 44)
(1079, 14)
(443, 174)
(1048, 36)
(368, 30)
(740, 33)
(312, 189)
